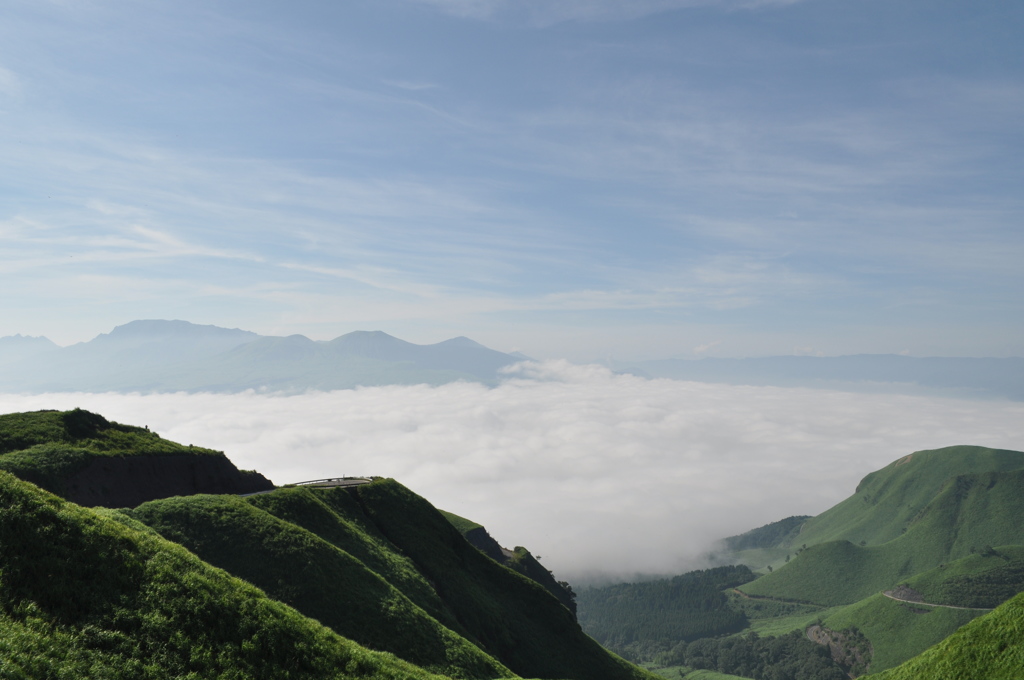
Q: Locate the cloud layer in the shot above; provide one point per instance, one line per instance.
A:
(597, 473)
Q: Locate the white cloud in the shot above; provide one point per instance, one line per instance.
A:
(594, 471)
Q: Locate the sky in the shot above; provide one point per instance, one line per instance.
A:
(603, 476)
(570, 179)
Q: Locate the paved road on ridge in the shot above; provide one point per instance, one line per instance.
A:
(323, 483)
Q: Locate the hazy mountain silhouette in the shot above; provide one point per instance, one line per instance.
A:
(951, 376)
(15, 348)
(162, 356)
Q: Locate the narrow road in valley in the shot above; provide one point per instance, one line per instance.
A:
(888, 594)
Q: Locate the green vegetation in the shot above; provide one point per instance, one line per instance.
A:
(83, 594)
(320, 580)
(106, 593)
(923, 526)
(985, 579)
(789, 657)
(769, 536)
(684, 673)
(887, 502)
(463, 525)
(898, 630)
(513, 618)
(48, 448)
(968, 512)
(990, 647)
(640, 620)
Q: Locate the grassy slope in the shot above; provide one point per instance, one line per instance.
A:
(46, 447)
(83, 594)
(887, 501)
(461, 523)
(933, 584)
(349, 531)
(521, 561)
(898, 631)
(316, 577)
(990, 647)
(968, 512)
(512, 617)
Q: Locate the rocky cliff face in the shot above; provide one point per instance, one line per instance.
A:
(127, 481)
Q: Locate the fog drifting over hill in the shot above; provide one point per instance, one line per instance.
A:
(595, 472)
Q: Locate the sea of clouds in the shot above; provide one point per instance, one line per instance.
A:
(599, 474)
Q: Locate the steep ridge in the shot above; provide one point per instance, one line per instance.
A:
(519, 560)
(91, 594)
(887, 501)
(319, 579)
(91, 461)
(969, 512)
(375, 562)
(513, 618)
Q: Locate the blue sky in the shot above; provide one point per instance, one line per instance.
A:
(579, 179)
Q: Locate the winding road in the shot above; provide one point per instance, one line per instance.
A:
(888, 594)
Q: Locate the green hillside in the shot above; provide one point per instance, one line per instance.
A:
(519, 560)
(889, 500)
(320, 580)
(990, 647)
(89, 594)
(114, 593)
(513, 618)
(923, 527)
(85, 458)
(967, 513)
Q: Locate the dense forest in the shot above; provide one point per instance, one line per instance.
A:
(640, 620)
(788, 657)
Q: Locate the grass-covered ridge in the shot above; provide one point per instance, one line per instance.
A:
(990, 647)
(83, 595)
(512, 617)
(316, 577)
(329, 573)
(888, 501)
(84, 457)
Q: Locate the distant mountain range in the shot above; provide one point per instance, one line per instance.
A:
(950, 376)
(169, 356)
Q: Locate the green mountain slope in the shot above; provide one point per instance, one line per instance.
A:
(374, 563)
(87, 594)
(87, 459)
(889, 500)
(990, 647)
(968, 512)
(320, 580)
(519, 560)
(512, 617)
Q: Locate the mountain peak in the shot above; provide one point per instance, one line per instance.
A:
(176, 327)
